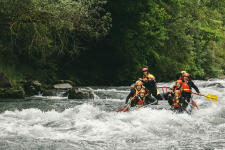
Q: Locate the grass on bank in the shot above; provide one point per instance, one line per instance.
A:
(13, 75)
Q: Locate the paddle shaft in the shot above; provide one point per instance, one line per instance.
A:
(128, 104)
(208, 96)
(197, 94)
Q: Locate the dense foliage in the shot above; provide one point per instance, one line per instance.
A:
(170, 36)
(97, 42)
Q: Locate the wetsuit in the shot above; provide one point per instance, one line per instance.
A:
(187, 86)
(144, 101)
(178, 104)
(133, 92)
(150, 84)
(169, 98)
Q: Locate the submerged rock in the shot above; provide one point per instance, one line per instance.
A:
(219, 85)
(77, 93)
(4, 81)
(12, 93)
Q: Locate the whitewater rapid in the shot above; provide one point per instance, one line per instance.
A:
(58, 123)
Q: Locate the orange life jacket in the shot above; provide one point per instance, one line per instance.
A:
(180, 89)
(177, 99)
(186, 87)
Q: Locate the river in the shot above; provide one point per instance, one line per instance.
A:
(56, 123)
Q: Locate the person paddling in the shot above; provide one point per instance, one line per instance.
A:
(170, 95)
(149, 82)
(142, 100)
(134, 90)
(178, 101)
(187, 87)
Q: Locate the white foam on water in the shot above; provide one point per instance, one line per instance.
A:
(140, 129)
(87, 122)
(54, 97)
(111, 90)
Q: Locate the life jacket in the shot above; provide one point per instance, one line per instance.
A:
(140, 102)
(176, 88)
(186, 87)
(149, 77)
(176, 100)
(158, 91)
(175, 85)
(147, 92)
(136, 92)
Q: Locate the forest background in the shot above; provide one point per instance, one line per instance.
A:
(99, 42)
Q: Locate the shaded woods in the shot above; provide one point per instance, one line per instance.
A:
(99, 42)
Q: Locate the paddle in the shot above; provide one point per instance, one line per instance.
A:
(125, 109)
(194, 104)
(128, 104)
(210, 97)
(119, 110)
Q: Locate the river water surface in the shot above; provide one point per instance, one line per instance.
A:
(58, 123)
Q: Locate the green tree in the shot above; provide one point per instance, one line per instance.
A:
(36, 32)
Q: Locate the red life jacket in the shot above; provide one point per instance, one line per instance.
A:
(140, 102)
(175, 102)
(186, 87)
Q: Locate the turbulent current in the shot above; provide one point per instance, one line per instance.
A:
(59, 123)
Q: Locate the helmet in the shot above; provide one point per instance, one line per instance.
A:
(142, 91)
(139, 83)
(144, 69)
(185, 75)
(179, 81)
(183, 72)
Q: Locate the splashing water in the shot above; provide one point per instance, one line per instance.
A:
(58, 123)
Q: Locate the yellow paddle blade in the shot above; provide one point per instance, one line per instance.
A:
(211, 97)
